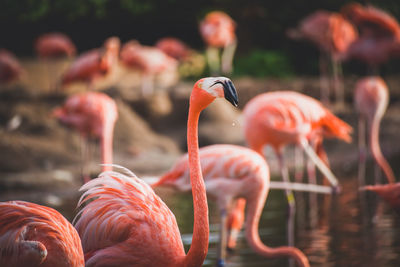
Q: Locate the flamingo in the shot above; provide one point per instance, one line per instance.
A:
(124, 223)
(173, 47)
(218, 31)
(93, 64)
(10, 68)
(231, 172)
(37, 236)
(333, 34)
(54, 46)
(371, 99)
(149, 60)
(379, 35)
(92, 114)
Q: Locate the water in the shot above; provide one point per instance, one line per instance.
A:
(345, 232)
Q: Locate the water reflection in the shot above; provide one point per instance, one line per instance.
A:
(352, 229)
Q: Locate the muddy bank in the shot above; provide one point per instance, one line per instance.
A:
(40, 154)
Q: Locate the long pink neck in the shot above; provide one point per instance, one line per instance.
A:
(254, 209)
(376, 149)
(198, 250)
(107, 146)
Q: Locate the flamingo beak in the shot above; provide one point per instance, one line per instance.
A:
(230, 92)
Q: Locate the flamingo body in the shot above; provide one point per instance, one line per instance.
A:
(379, 34)
(173, 47)
(53, 45)
(218, 29)
(284, 117)
(329, 31)
(37, 236)
(10, 68)
(92, 114)
(149, 60)
(93, 64)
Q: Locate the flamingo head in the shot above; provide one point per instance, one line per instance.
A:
(207, 89)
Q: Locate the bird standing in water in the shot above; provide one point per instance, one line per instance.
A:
(37, 236)
(218, 31)
(92, 114)
(333, 34)
(93, 64)
(124, 223)
(231, 172)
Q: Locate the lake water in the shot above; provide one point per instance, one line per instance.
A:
(350, 229)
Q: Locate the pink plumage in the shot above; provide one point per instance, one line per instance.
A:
(218, 29)
(10, 68)
(35, 235)
(53, 45)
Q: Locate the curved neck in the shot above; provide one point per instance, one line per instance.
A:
(254, 209)
(198, 250)
(376, 150)
(106, 146)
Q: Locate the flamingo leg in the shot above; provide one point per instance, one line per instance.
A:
(227, 58)
(319, 163)
(235, 222)
(290, 198)
(323, 78)
(338, 82)
(313, 199)
(212, 55)
(223, 233)
(299, 164)
(147, 84)
(85, 173)
(362, 150)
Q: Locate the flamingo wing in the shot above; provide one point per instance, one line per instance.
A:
(122, 221)
(31, 234)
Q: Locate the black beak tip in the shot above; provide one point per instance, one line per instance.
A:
(230, 93)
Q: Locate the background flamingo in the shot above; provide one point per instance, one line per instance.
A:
(150, 61)
(333, 34)
(10, 68)
(231, 172)
(173, 47)
(218, 31)
(92, 114)
(93, 64)
(35, 235)
(51, 47)
(371, 99)
(136, 226)
(379, 38)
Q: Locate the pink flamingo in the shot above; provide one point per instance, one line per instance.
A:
(371, 99)
(35, 235)
(150, 61)
(53, 45)
(10, 68)
(92, 114)
(173, 47)
(93, 64)
(231, 172)
(333, 34)
(379, 35)
(125, 223)
(218, 31)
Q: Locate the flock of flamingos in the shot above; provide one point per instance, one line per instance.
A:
(122, 222)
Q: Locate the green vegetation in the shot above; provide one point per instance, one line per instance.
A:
(261, 63)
